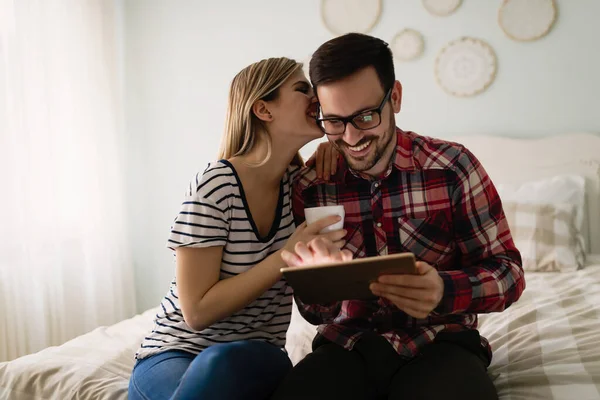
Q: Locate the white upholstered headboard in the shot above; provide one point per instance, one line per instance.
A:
(512, 160)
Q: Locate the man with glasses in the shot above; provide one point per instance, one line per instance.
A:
(402, 193)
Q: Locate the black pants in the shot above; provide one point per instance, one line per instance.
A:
(453, 367)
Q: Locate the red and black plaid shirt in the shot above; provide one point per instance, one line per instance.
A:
(435, 201)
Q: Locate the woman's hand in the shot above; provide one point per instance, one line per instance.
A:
(305, 233)
(324, 160)
(320, 250)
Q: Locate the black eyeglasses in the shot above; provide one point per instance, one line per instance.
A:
(363, 120)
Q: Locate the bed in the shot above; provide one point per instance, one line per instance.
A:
(546, 346)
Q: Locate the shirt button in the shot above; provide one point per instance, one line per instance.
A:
(376, 184)
(379, 224)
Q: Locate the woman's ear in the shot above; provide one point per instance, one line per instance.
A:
(261, 109)
(397, 97)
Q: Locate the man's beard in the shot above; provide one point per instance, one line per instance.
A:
(381, 143)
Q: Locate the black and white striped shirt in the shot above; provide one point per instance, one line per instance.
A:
(215, 213)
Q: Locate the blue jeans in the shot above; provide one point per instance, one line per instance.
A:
(238, 370)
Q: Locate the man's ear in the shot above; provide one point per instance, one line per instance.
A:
(397, 97)
(261, 109)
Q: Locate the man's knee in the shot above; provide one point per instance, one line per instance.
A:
(444, 370)
(318, 376)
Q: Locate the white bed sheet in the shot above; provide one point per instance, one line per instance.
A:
(96, 365)
(546, 346)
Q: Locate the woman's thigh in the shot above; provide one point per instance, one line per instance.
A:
(157, 377)
(229, 371)
(237, 370)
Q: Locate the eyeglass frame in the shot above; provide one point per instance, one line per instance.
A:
(350, 118)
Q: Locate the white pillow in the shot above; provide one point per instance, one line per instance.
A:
(558, 191)
(545, 235)
(557, 202)
(299, 336)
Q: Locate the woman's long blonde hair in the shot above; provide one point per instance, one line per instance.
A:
(258, 81)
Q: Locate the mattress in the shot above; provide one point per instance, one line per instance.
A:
(96, 365)
(546, 346)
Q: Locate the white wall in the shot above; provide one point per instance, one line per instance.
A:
(181, 55)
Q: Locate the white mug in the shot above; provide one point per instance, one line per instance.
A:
(314, 214)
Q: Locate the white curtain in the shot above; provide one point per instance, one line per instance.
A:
(65, 266)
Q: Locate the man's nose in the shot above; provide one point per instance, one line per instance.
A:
(352, 135)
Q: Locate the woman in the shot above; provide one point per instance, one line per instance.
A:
(222, 325)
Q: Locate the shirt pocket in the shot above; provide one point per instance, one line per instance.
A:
(428, 238)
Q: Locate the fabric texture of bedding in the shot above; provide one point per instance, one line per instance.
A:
(96, 365)
(546, 346)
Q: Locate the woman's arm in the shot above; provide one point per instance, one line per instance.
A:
(324, 160)
(205, 299)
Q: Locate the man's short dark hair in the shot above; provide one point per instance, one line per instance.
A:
(344, 55)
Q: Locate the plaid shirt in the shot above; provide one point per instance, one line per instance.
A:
(435, 201)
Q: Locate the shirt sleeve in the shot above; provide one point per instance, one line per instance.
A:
(318, 314)
(203, 217)
(490, 275)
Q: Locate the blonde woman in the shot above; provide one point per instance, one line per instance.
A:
(221, 328)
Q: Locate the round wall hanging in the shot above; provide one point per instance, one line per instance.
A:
(441, 7)
(343, 16)
(526, 20)
(465, 67)
(407, 45)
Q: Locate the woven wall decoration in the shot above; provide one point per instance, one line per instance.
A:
(465, 67)
(527, 20)
(343, 16)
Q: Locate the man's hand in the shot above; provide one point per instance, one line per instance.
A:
(417, 295)
(320, 250)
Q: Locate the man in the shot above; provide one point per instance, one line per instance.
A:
(402, 193)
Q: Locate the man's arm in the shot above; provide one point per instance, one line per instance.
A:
(316, 314)
(490, 275)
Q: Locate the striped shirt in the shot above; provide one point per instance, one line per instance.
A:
(215, 213)
(437, 202)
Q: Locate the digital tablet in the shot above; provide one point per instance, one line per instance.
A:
(349, 280)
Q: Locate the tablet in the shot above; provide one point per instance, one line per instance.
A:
(350, 280)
